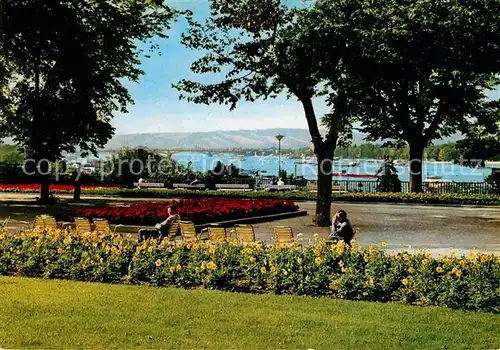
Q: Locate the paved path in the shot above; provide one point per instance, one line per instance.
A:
(437, 228)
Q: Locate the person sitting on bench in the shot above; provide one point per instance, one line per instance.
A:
(161, 227)
(341, 228)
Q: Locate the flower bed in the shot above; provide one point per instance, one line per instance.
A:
(199, 211)
(57, 188)
(337, 271)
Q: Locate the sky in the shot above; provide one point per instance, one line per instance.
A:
(157, 106)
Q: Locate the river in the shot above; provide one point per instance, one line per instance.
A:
(268, 165)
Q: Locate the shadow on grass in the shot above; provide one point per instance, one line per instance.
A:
(29, 209)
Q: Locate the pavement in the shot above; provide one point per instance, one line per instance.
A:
(437, 229)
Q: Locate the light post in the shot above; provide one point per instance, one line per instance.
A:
(279, 138)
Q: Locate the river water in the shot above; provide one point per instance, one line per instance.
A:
(268, 165)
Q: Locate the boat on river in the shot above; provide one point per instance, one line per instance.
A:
(363, 176)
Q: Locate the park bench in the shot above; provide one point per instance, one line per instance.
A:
(280, 187)
(190, 187)
(232, 187)
(149, 184)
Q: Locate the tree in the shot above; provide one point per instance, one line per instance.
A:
(68, 64)
(483, 138)
(426, 65)
(264, 49)
(388, 180)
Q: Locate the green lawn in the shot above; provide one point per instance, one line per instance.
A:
(62, 314)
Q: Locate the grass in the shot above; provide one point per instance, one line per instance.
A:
(63, 314)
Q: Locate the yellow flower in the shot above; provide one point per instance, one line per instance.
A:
(178, 267)
(422, 301)
(405, 281)
(484, 258)
(341, 263)
(383, 244)
(439, 269)
(425, 261)
(203, 266)
(471, 255)
(273, 268)
(150, 250)
(248, 251)
(371, 249)
(85, 254)
(369, 282)
(211, 251)
(458, 273)
(317, 260)
(60, 251)
(252, 259)
(406, 257)
(299, 260)
(172, 269)
(18, 252)
(340, 250)
(263, 269)
(211, 266)
(462, 263)
(316, 236)
(366, 258)
(158, 263)
(2, 237)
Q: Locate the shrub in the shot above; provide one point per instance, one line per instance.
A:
(320, 269)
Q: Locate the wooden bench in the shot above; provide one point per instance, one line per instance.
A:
(189, 187)
(232, 186)
(280, 187)
(149, 185)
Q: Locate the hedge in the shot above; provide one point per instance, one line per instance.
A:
(423, 198)
(417, 198)
(318, 269)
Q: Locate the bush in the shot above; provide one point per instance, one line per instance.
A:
(418, 198)
(321, 269)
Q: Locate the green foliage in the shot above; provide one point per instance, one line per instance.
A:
(494, 179)
(422, 198)
(10, 154)
(66, 71)
(131, 164)
(388, 180)
(323, 269)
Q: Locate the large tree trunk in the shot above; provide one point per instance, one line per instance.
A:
(44, 189)
(416, 155)
(324, 150)
(77, 192)
(324, 198)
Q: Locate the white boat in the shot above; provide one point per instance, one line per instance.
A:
(436, 178)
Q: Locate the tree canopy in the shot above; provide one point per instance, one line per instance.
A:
(263, 49)
(67, 68)
(427, 66)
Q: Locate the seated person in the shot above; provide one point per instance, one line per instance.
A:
(341, 228)
(162, 227)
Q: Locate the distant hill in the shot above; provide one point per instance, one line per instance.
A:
(265, 138)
